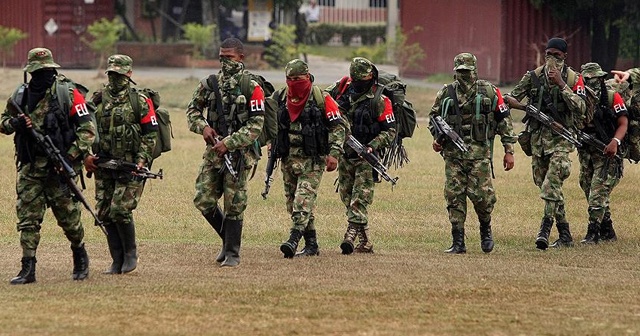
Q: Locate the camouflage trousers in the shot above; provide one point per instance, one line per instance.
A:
(356, 186)
(472, 179)
(598, 176)
(212, 184)
(549, 172)
(35, 194)
(302, 176)
(117, 195)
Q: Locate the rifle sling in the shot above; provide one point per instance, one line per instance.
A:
(545, 96)
(456, 105)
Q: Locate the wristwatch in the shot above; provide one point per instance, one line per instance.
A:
(618, 141)
(509, 151)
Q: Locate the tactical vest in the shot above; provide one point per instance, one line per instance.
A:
(605, 122)
(119, 127)
(227, 110)
(475, 119)
(537, 93)
(310, 131)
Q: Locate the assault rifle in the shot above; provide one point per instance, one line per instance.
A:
(371, 159)
(594, 142)
(272, 163)
(129, 167)
(229, 165)
(443, 129)
(555, 126)
(62, 167)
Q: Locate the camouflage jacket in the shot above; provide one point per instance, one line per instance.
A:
(125, 133)
(248, 115)
(569, 102)
(493, 112)
(78, 117)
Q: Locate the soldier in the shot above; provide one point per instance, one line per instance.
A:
(129, 134)
(372, 124)
(63, 116)
(468, 174)
(601, 171)
(230, 128)
(558, 91)
(305, 110)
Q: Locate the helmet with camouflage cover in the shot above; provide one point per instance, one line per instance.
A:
(39, 58)
(360, 68)
(464, 61)
(592, 70)
(296, 67)
(121, 64)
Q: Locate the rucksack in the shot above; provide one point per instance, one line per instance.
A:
(591, 102)
(270, 127)
(632, 138)
(62, 94)
(165, 132)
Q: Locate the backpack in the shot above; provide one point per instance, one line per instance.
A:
(591, 101)
(165, 132)
(632, 138)
(64, 100)
(270, 127)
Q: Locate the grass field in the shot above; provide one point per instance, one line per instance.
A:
(408, 287)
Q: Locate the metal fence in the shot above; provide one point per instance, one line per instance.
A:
(352, 11)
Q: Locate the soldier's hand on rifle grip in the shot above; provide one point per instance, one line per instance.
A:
(220, 148)
(20, 123)
(332, 163)
(436, 146)
(209, 135)
(612, 148)
(89, 164)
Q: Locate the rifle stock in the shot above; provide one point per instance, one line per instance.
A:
(443, 129)
(128, 167)
(271, 165)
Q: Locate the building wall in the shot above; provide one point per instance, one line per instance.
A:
(72, 18)
(507, 36)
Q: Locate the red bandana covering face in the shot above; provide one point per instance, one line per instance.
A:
(297, 95)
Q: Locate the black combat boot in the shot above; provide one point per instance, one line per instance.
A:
(310, 245)
(128, 235)
(564, 236)
(364, 245)
(289, 247)
(349, 238)
(457, 247)
(593, 233)
(80, 263)
(216, 220)
(607, 233)
(115, 249)
(542, 241)
(27, 273)
(486, 237)
(232, 242)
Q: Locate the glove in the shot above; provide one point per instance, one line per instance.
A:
(19, 124)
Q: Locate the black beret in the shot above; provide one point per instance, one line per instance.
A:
(557, 43)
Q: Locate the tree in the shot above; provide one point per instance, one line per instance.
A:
(603, 19)
(9, 37)
(105, 34)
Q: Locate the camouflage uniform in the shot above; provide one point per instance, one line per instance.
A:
(373, 127)
(599, 174)
(214, 180)
(303, 159)
(550, 162)
(128, 135)
(38, 186)
(468, 174)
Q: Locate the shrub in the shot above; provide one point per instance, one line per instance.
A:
(9, 37)
(282, 48)
(201, 37)
(105, 34)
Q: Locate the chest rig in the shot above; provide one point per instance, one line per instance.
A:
(474, 118)
(119, 126)
(228, 110)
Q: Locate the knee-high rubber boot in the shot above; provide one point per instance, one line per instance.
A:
(128, 236)
(216, 220)
(80, 262)
(232, 241)
(347, 245)
(564, 236)
(457, 247)
(28, 272)
(593, 233)
(607, 233)
(310, 244)
(289, 247)
(115, 249)
(542, 240)
(364, 245)
(486, 237)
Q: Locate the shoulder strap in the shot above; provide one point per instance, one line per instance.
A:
(212, 82)
(318, 96)
(245, 85)
(545, 95)
(454, 97)
(376, 98)
(135, 102)
(62, 93)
